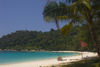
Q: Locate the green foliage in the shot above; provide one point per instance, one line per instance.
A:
(49, 12)
(95, 65)
(51, 40)
(65, 29)
(78, 12)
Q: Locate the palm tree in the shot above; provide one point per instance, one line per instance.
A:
(81, 11)
(88, 11)
(50, 15)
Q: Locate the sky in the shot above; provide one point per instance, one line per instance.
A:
(23, 15)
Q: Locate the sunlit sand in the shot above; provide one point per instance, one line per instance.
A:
(51, 62)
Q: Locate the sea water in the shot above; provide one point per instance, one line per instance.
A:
(7, 57)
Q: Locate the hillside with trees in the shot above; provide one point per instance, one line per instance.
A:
(52, 40)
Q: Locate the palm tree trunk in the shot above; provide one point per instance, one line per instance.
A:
(57, 24)
(95, 40)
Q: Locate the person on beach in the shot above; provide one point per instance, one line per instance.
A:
(59, 58)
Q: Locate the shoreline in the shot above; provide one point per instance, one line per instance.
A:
(51, 62)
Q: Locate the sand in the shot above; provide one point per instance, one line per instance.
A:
(51, 62)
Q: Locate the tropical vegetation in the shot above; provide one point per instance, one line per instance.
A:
(77, 12)
(36, 40)
(51, 40)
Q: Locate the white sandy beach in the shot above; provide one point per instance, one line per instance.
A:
(51, 62)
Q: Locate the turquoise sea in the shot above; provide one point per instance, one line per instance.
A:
(7, 57)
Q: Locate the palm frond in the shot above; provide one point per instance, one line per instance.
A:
(77, 19)
(79, 6)
(53, 10)
(65, 29)
(65, 17)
